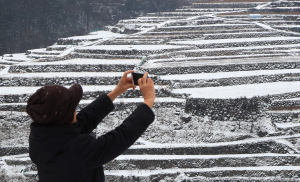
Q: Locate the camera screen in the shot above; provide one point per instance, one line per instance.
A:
(136, 77)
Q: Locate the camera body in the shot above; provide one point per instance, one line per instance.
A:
(135, 77)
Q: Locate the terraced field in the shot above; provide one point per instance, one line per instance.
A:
(227, 86)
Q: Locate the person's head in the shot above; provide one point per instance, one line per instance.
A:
(54, 104)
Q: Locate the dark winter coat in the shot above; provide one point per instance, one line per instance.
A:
(68, 153)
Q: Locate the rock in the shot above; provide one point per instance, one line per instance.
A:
(262, 133)
(232, 129)
(177, 127)
(186, 119)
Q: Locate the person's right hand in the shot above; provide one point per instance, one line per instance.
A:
(147, 88)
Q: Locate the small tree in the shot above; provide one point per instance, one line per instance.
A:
(249, 107)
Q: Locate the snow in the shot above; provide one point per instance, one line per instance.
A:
(195, 62)
(238, 91)
(292, 99)
(97, 35)
(4, 71)
(7, 62)
(15, 113)
(131, 47)
(179, 157)
(287, 125)
(222, 41)
(67, 52)
(63, 74)
(207, 25)
(284, 111)
(219, 75)
(264, 26)
(140, 100)
(262, 6)
(44, 51)
(18, 56)
(217, 144)
(287, 46)
(288, 26)
(86, 62)
(214, 169)
(163, 24)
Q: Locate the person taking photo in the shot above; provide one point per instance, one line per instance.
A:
(60, 143)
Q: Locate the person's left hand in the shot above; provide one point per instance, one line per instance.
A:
(125, 83)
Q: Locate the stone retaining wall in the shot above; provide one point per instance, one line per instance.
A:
(71, 41)
(195, 22)
(223, 68)
(228, 52)
(285, 103)
(247, 148)
(135, 42)
(13, 151)
(204, 163)
(225, 109)
(118, 106)
(285, 4)
(23, 98)
(127, 52)
(246, 35)
(225, 5)
(247, 44)
(75, 55)
(42, 52)
(39, 81)
(15, 81)
(133, 21)
(293, 29)
(285, 117)
(199, 28)
(54, 48)
(234, 109)
(273, 10)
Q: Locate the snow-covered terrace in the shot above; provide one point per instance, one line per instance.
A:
(85, 62)
(284, 46)
(238, 91)
(219, 75)
(16, 57)
(208, 9)
(182, 61)
(96, 35)
(132, 47)
(224, 41)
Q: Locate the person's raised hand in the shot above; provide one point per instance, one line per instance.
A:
(124, 84)
(147, 88)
